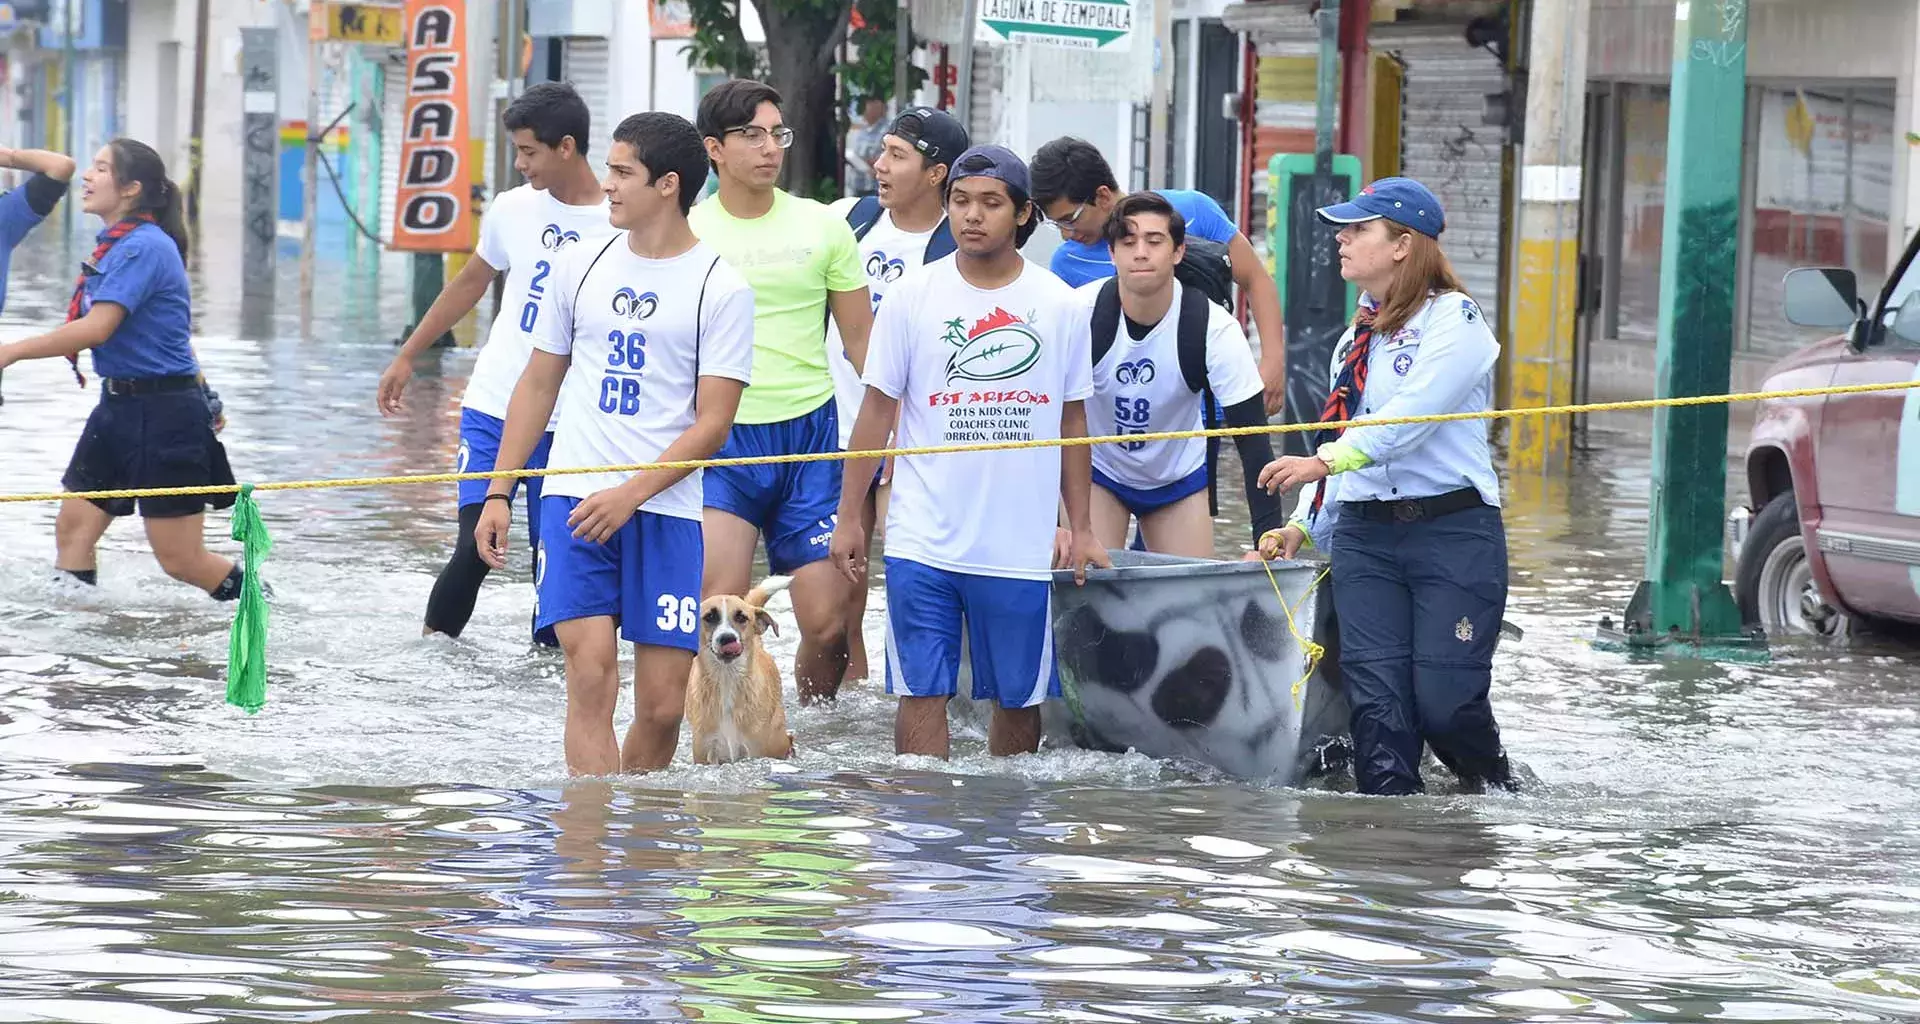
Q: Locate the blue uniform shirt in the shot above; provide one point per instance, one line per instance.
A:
(144, 274)
(1440, 362)
(17, 217)
(1078, 263)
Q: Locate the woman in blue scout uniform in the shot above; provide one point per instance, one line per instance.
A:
(154, 426)
(1418, 549)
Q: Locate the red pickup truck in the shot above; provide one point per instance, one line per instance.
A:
(1831, 538)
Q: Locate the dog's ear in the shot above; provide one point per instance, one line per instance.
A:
(767, 625)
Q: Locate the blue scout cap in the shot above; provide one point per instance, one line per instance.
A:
(1403, 201)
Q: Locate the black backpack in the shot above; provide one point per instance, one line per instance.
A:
(866, 213)
(1190, 332)
(1208, 269)
(1190, 340)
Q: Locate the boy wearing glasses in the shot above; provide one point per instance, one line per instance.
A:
(803, 264)
(1076, 190)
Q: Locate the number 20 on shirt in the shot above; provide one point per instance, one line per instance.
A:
(530, 313)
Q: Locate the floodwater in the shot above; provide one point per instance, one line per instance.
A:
(393, 838)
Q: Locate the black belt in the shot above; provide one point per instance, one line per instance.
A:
(124, 387)
(1408, 510)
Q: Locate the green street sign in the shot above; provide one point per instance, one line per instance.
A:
(1105, 25)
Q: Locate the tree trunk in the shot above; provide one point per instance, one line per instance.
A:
(802, 50)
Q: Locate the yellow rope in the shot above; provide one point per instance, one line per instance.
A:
(1067, 442)
(1313, 650)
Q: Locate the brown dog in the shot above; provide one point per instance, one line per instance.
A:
(735, 710)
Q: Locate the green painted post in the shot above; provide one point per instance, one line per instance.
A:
(1683, 596)
(362, 177)
(429, 269)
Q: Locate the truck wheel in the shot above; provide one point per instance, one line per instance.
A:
(1773, 582)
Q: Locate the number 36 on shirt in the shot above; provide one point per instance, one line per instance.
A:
(626, 365)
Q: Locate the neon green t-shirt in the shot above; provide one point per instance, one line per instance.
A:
(793, 256)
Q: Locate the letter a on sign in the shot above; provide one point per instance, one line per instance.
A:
(431, 207)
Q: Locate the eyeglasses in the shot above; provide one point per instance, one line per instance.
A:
(757, 136)
(1063, 223)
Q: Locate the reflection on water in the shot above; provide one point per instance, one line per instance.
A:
(393, 839)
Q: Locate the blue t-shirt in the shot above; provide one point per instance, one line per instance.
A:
(144, 274)
(16, 219)
(1078, 263)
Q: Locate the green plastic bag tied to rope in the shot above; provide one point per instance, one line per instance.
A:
(247, 648)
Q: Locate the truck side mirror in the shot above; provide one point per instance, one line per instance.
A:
(1822, 297)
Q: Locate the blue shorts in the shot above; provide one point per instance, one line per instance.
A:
(1009, 635)
(480, 449)
(792, 505)
(1146, 502)
(646, 576)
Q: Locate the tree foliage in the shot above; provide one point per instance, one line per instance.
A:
(802, 52)
(870, 73)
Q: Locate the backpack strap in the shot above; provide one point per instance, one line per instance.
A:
(582, 283)
(699, 323)
(1191, 337)
(863, 215)
(941, 245)
(1106, 318)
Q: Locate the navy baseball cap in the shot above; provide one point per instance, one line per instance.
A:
(1403, 201)
(993, 162)
(934, 134)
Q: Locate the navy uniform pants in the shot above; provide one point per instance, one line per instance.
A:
(1419, 606)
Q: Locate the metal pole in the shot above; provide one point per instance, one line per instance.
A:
(902, 54)
(1326, 94)
(507, 60)
(1325, 101)
(1162, 93)
(963, 84)
(196, 146)
(310, 188)
(67, 75)
(1683, 594)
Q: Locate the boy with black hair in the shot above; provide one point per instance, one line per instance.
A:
(803, 264)
(1075, 187)
(658, 332)
(1158, 347)
(980, 346)
(899, 230)
(522, 234)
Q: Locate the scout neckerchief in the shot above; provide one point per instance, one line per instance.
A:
(90, 268)
(1344, 398)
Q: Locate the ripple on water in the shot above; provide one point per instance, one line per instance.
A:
(394, 836)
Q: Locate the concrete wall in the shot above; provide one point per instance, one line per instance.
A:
(159, 93)
(675, 85)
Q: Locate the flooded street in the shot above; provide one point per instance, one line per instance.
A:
(393, 838)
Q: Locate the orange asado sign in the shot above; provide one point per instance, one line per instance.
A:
(430, 210)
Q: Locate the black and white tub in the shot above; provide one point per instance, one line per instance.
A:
(1193, 659)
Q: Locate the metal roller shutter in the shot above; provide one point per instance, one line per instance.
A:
(586, 62)
(1447, 146)
(393, 116)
